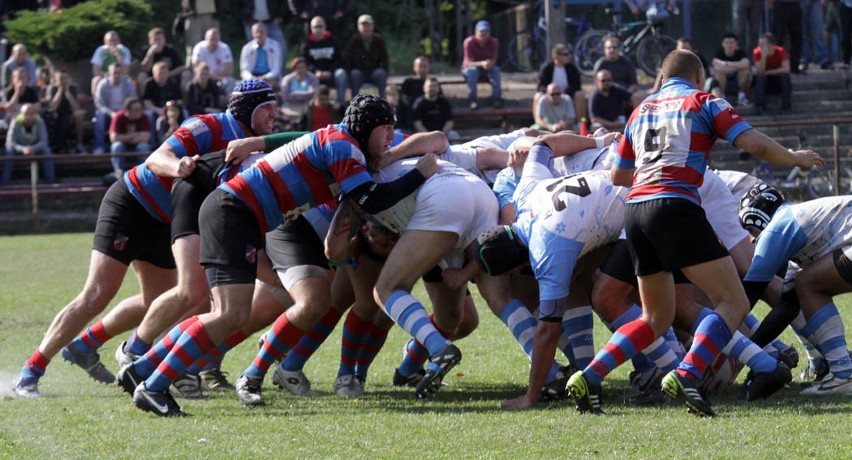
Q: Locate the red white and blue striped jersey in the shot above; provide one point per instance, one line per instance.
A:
(197, 135)
(301, 175)
(668, 140)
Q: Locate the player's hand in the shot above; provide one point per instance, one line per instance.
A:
(807, 158)
(609, 138)
(239, 149)
(522, 402)
(186, 166)
(428, 165)
(517, 157)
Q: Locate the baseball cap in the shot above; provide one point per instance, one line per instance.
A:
(365, 18)
(483, 25)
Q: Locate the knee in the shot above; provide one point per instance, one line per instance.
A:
(235, 316)
(610, 303)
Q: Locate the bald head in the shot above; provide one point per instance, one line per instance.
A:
(683, 64)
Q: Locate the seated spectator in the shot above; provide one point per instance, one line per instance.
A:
(170, 121)
(432, 111)
(27, 135)
(160, 51)
(367, 58)
(110, 95)
(562, 71)
(261, 58)
(412, 87)
(609, 103)
(64, 115)
(323, 59)
(480, 61)
(732, 70)
(19, 93)
(271, 14)
(158, 91)
(218, 57)
(321, 112)
(203, 94)
(129, 131)
(621, 69)
(111, 51)
(298, 86)
(20, 58)
(554, 111)
(772, 73)
(400, 108)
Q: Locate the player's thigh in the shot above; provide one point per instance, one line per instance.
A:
(408, 260)
(830, 275)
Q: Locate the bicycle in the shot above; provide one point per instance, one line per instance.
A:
(642, 40)
(527, 50)
(801, 184)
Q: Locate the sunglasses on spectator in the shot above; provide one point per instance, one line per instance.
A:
(605, 80)
(554, 94)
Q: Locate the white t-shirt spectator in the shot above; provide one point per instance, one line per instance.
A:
(214, 59)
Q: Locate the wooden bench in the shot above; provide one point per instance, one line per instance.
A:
(503, 114)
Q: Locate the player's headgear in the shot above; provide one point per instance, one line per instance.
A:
(247, 96)
(364, 113)
(497, 250)
(759, 205)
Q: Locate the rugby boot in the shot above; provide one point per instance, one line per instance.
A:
(156, 402)
(439, 365)
(249, 390)
(89, 362)
(761, 385)
(688, 391)
(587, 397)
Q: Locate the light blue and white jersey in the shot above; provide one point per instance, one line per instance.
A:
(802, 233)
(585, 160)
(396, 217)
(562, 219)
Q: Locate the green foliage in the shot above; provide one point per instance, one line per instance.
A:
(77, 31)
(79, 418)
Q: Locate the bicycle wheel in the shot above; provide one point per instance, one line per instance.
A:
(820, 183)
(651, 52)
(526, 51)
(588, 50)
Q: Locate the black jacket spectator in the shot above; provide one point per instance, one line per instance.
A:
(545, 77)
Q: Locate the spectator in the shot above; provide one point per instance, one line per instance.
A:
(160, 51)
(19, 93)
(27, 135)
(813, 44)
(554, 111)
(110, 95)
(621, 68)
(20, 58)
(400, 108)
(199, 17)
(832, 28)
(203, 94)
(217, 55)
(412, 87)
(170, 121)
(111, 51)
(323, 59)
(261, 58)
(685, 43)
(432, 111)
(609, 103)
(748, 13)
(480, 60)
(562, 71)
(329, 10)
(639, 8)
(270, 13)
(321, 112)
(63, 114)
(129, 131)
(772, 73)
(732, 70)
(158, 91)
(787, 17)
(297, 90)
(367, 58)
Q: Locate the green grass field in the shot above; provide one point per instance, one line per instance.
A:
(78, 418)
